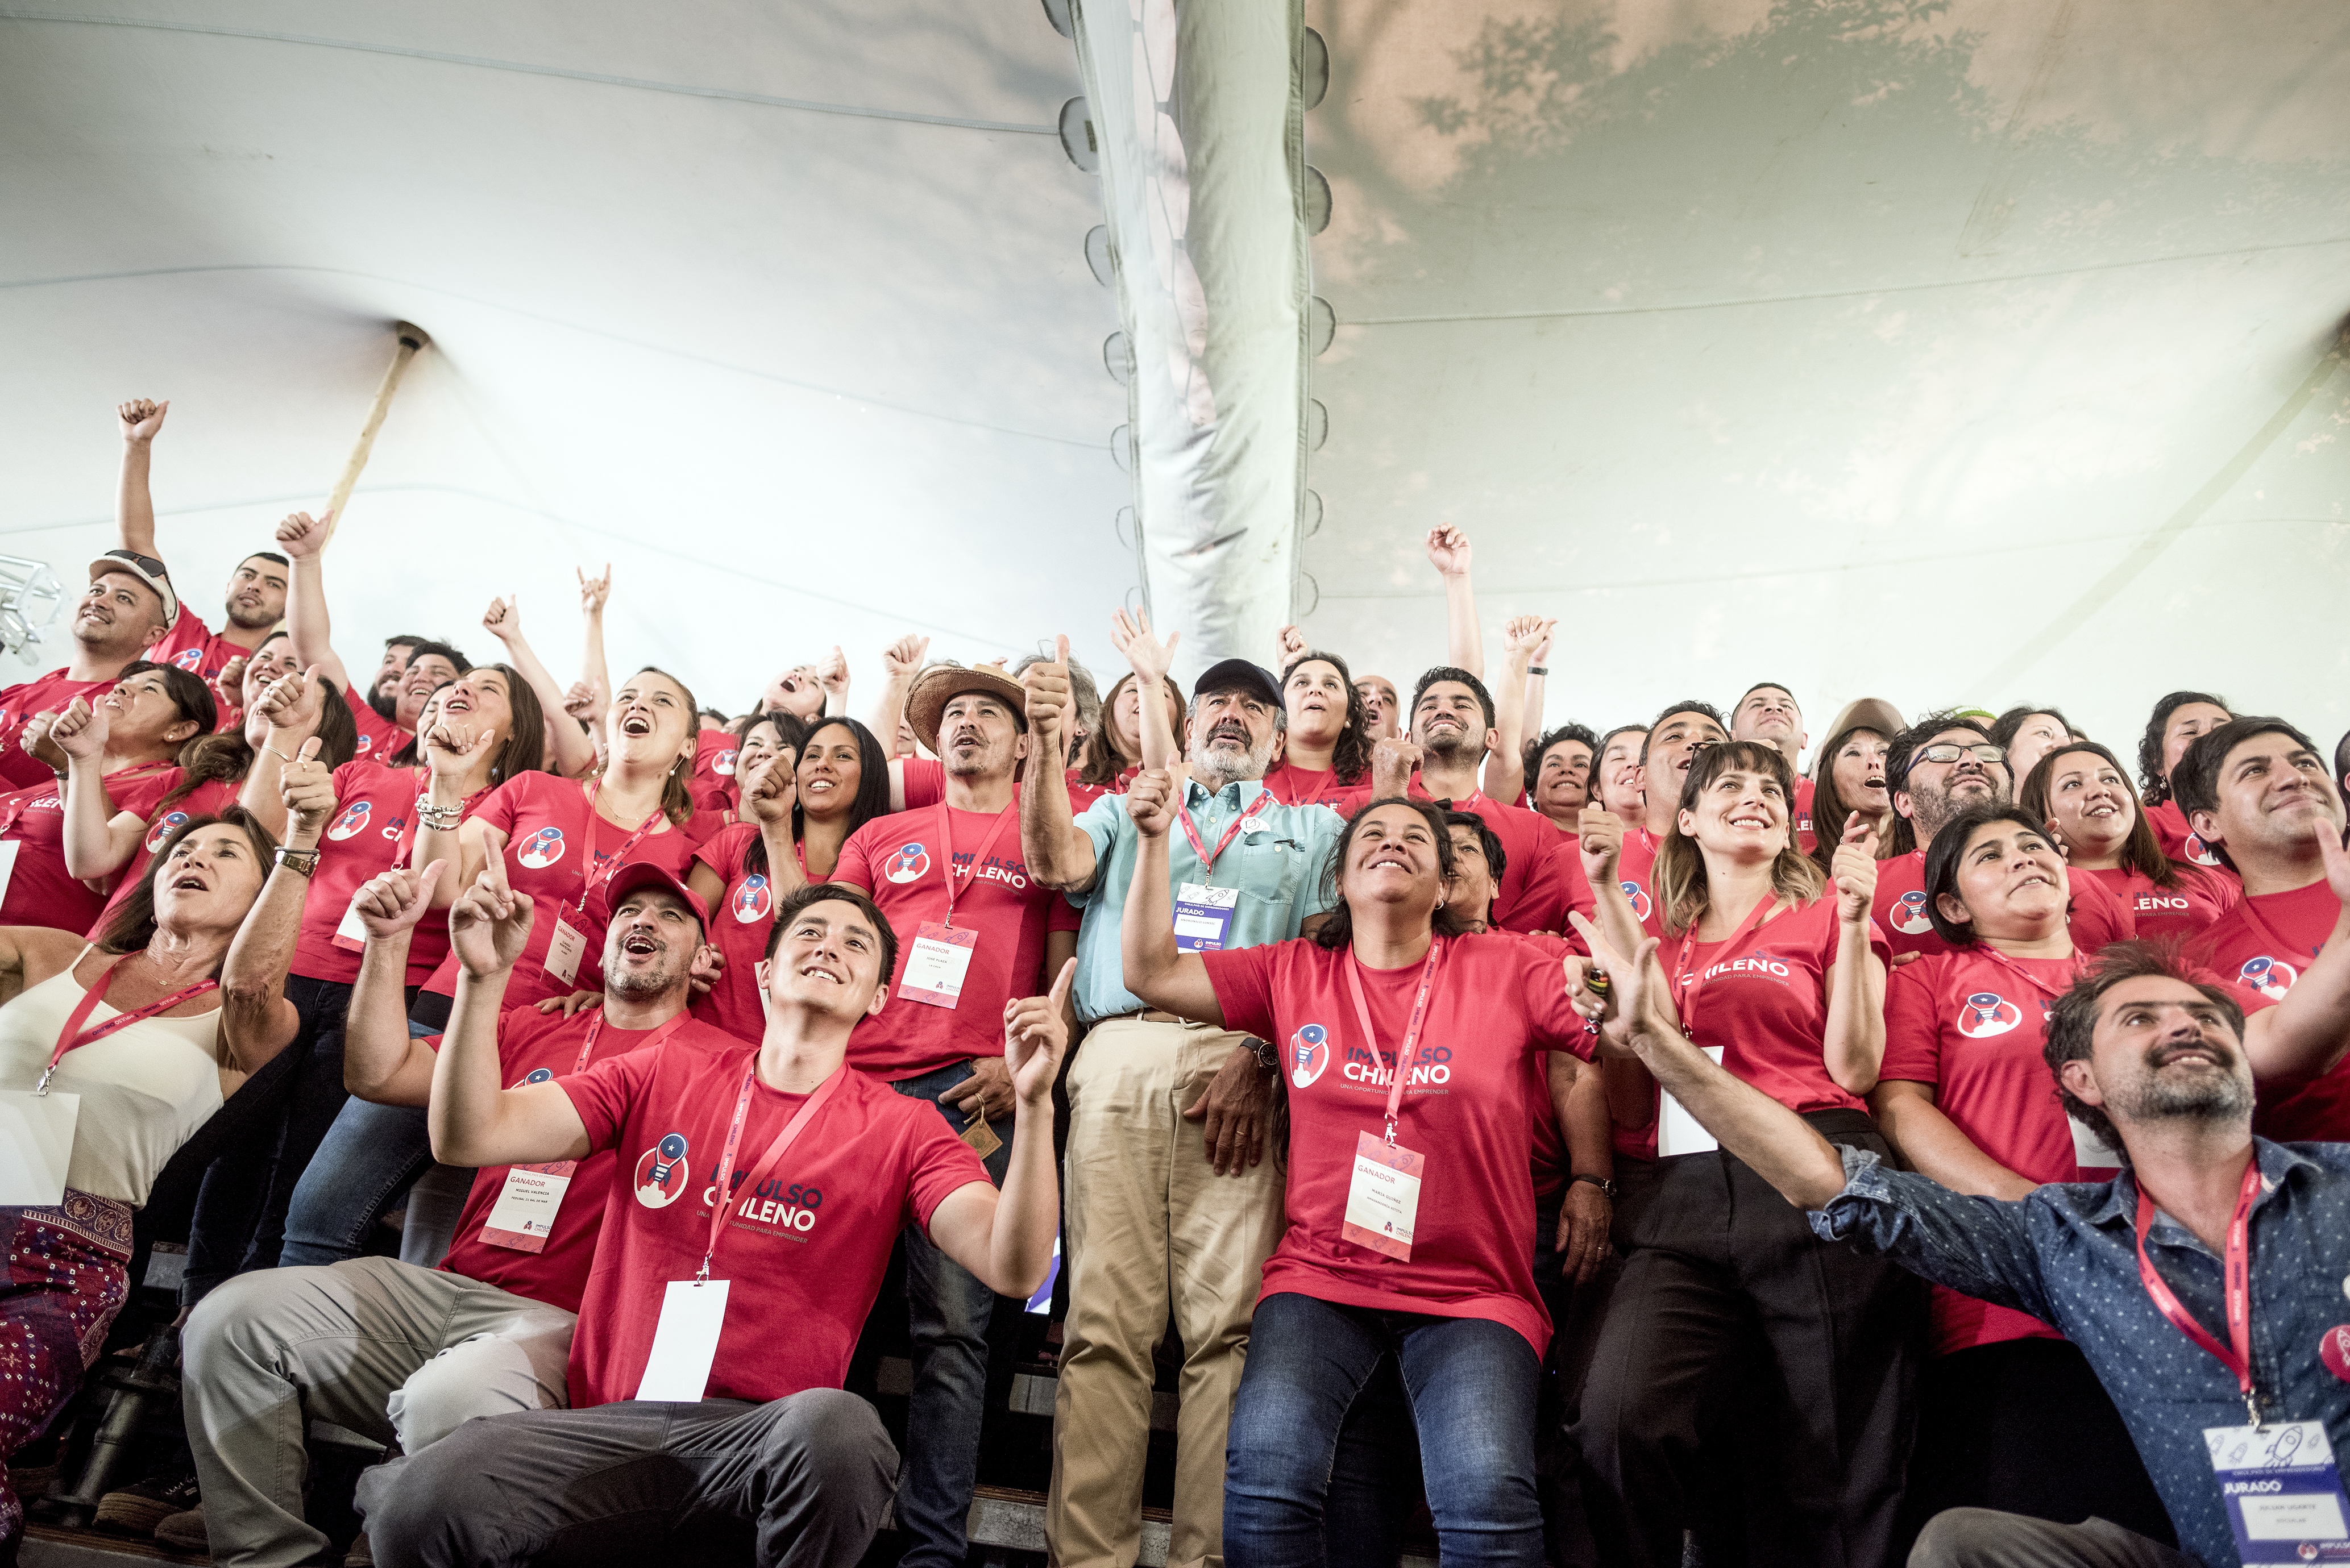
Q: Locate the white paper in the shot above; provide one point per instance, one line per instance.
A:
(2090, 1151)
(934, 972)
(36, 1134)
(527, 1203)
(8, 848)
(563, 951)
(1678, 1132)
(685, 1342)
(351, 930)
(1202, 916)
(1383, 1199)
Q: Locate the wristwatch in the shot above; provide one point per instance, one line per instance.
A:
(1264, 1053)
(302, 862)
(1600, 1182)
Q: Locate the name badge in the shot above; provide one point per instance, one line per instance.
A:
(2089, 1150)
(936, 964)
(1383, 1199)
(8, 848)
(350, 935)
(2284, 1493)
(1678, 1132)
(524, 1216)
(1204, 915)
(36, 1134)
(685, 1341)
(563, 951)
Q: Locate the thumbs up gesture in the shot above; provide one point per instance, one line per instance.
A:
(308, 790)
(1051, 704)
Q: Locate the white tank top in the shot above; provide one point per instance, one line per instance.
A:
(145, 1089)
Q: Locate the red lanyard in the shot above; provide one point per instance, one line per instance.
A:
(946, 837)
(1409, 1049)
(73, 1035)
(2025, 975)
(724, 1206)
(1684, 995)
(590, 878)
(1199, 847)
(2237, 1271)
(596, 1027)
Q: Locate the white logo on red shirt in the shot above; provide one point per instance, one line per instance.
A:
(753, 902)
(366, 744)
(543, 848)
(909, 865)
(2199, 852)
(1986, 1013)
(1638, 897)
(2270, 977)
(354, 819)
(661, 1172)
(1909, 915)
(723, 763)
(163, 829)
(1309, 1053)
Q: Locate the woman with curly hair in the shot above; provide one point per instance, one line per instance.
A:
(1326, 734)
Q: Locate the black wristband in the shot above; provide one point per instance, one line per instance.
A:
(1601, 1182)
(1537, 670)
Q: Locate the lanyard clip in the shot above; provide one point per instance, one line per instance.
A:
(2252, 1409)
(701, 1275)
(1392, 1132)
(51, 1071)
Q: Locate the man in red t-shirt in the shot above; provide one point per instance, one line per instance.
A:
(392, 1350)
(722, 1407)
(971, 921)
(1768, 713)
(2258, 792)
(1382, 712)
(129, 602)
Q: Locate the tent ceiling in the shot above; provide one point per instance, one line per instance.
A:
(1848, 342)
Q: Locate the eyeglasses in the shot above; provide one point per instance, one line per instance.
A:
(1947, 752)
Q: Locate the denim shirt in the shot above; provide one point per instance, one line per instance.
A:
(1278, 868)
(2068, 1254)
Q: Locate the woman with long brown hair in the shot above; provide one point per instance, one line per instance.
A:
(1848, 774)
(2080, 793)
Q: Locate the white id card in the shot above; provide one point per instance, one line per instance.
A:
(2090, 1151)
(685, 1342)
(1383, 1198)
(1678, 1132)
(524, 1216)
(2284, 1493)
(8, 848)
(936, 964)
(36, 1134)
(1202, 917)
(563, 951)
(350, 933)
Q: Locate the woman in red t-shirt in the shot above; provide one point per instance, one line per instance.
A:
(2009, 1414)
(2080, 791)
(1113, 753)
(1784, 987)
(1327, 746)
(2178, 721)
(732, 873)
(131, 734)
(1409, 1199)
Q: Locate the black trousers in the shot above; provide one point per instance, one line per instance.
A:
(1751, 1382)
(2025, 1426)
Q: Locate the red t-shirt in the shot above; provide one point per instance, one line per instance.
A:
(49, 693)
(1498, 1004)
(534, 1046)
(1806, 838)
(1762, 998)
(2181, 842)
(2098, 916)
(738, 930)
(1634, 863)
(713, 786)
(2264, 943)
(1541, 876)
(1083, 794)
(924, 781)
(194, 646)
(380, 739)
(806, 1250)
(902, 860)
(41, 891)
(2199, 899)
(374, 824)
(1293, 785)
(142, 798)
(551, 838)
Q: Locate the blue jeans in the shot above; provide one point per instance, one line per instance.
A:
(369, 1156)
(947, 1314)
(1469, 1389)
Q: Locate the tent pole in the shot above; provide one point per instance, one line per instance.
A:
(411, 338)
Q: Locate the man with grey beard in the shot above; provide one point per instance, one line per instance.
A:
(1171, 1207)
(2203, 1283)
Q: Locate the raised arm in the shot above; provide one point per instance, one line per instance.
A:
(900, 662)
(307, 625)
(289, 716)
(98, 840)
(1156, 969)
(575, 754)
(381, 1060)
(475, 1120)
(134, 504)
(1006, 1238)
(2306, 1033)
(833, 673)
(1505, 765)
(1855, 1040)
(256, 1020)
(449, 758)
(767, 798)
(1532, 689)
(1150, 659)
(1448, 552)
(1059, 854)
(594, 673)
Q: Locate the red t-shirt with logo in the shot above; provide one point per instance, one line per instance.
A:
(924, 781)
(1806, 837)
(805, 1249)
(1469, 1110)
(380, 740)
(2199, 899)
(738, 930)
(713, 785)
(375, 823)
(551, 838)
(196, 648)
(2099, 915)
(50, 693)
(2264, 943)
(2181, 842)
(1542, 878)
(1293, 785)
(534, 1046)
(142, 798)
(902, 860)
(41, 891)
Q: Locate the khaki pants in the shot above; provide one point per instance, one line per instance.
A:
(1151, 1227)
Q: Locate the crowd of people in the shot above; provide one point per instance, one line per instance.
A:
(1623, 1138)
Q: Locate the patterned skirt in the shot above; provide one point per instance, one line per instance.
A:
(67, 1274)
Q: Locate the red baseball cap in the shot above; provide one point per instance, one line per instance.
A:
(638, 873)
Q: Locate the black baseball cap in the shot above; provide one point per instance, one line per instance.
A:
(1238, 675)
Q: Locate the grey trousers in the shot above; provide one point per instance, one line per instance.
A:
(1986, 1538)
(802, 1482)
(390, 1350)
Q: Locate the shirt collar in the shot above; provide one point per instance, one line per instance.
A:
(2277, 1162)
(1240, 795)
